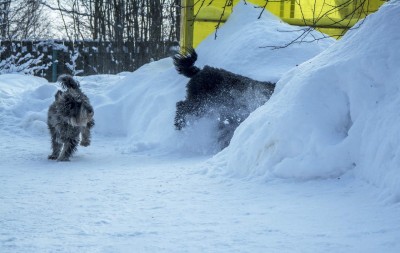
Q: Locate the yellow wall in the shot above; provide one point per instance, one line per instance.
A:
(335, 23)
(199, 21)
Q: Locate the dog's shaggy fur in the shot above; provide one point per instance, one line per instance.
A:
(69, 116)
(216, 93)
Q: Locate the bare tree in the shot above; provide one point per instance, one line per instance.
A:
(23, 20)
(119, 20)
(4, 17)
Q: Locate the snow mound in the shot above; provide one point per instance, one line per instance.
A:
(334, 113)
(22, 100)
(143, 107)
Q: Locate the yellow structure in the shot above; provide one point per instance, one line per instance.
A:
(333, 17)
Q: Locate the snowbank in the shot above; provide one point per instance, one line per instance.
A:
(142, 106)
(23, 102)
(333, 113)
(144, 103)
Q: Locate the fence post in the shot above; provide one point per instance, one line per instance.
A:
(187, 24)
(54, 61)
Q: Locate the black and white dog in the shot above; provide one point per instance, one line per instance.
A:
(217, 94)
(69, 116)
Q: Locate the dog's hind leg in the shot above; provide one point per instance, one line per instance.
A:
(180, 121)
(68, 149)
(228, 122)
(187, 108)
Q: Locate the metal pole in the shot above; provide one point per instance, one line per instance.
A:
(54, 61)
(187, 24)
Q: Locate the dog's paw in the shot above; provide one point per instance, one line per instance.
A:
(63, 159)
(52, 157)
(85, 143)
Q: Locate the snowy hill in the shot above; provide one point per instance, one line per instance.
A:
(334, 113)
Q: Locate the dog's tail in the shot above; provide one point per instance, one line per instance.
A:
(68, 82)
(184, 63)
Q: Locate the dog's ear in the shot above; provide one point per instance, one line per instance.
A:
(58, 95)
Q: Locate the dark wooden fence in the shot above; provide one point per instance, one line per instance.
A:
(52, 58)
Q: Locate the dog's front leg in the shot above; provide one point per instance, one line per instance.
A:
(56, 150)
(68, 149)
(85, 136)
(85, 131)
(55, 145)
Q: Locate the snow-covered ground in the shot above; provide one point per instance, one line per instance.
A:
(106, 201)
(313, 170)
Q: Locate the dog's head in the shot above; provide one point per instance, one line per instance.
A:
(74, 108)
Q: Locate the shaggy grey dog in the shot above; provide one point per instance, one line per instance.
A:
(69, 116)
(218, 94)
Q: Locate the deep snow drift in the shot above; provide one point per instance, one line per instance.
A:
(336, 112)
